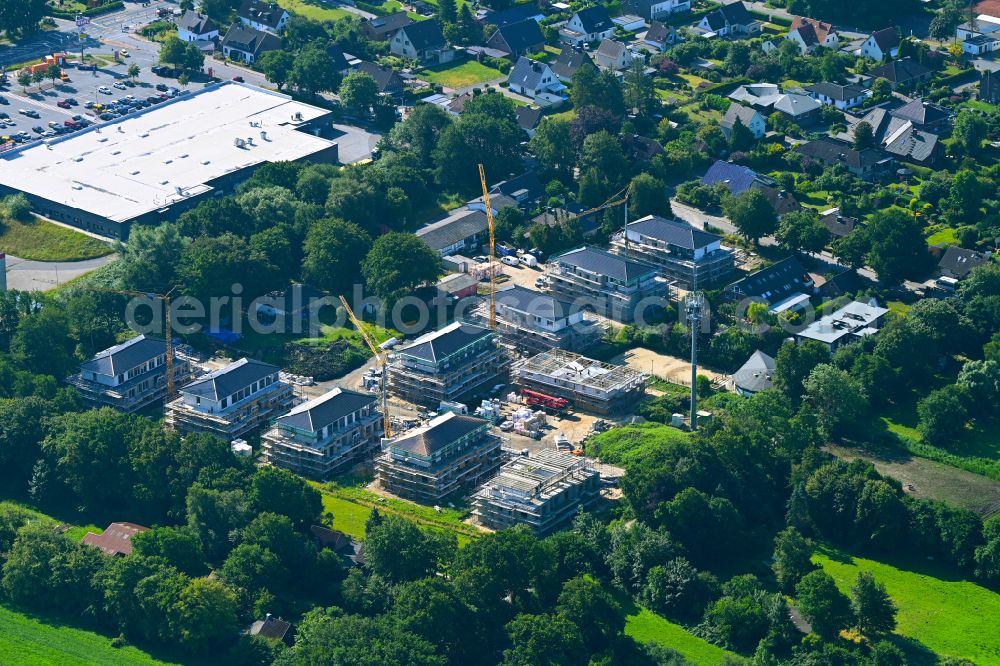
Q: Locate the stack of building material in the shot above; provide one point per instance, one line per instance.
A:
(490, 410)
(527, 422)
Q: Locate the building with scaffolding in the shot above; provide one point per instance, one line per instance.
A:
(588, 384)
(529, 322)
(325, 435)
(446, 365)
(231, 401)
(452, 453)
(129, 376)
(682, 253)
(608, 284)
(543, 492)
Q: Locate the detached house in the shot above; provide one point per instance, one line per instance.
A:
(263, 16)
(588, 25)
(569, 61)
(899, 137)
(388, 81)
(534, 79)
(729, 21)
(613, 55)
(903, 72)
(129, 376)
(231, 401)
(866, 164)
(659, 36)
(421, 41)
(750, 119)
(924, 115)
(651, 10)
(881, 45)
(248, 44)
(518, 39)
(782, 286)
(381, 28)
(195, 27)
(808, 34)
(842, 97)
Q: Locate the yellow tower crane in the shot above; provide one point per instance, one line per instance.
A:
(493, 249)
(381, 359)
(165, 299)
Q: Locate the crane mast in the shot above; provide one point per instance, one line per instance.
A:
(493, 257)
(380, 359)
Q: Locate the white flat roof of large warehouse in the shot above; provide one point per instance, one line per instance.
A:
(164, 154)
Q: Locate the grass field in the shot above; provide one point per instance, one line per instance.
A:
(946, 236)
(646, 626)
(468, 73)
(931, 479)
(317, 10)
(74, 532)
(26, 640)
(951, 617)
(43, 241)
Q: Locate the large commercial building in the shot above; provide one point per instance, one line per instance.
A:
(681, 252)
(154, 164)
(446, 365)
(452, 453)
(129, 376)
(588, 384)
(325, 435)
(231, 401)
(543, 492)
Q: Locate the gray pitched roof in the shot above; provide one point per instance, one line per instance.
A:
(437, 345)
(900, 71)
(528, 117)
(832, 151)
(610, 48)
(439, 433)
(886, 38)
(228, 380)
(600, 262)
(595, 19)
(424, 35)
(774, 283)
(328, 408)
(744, 113)
(732, 14)
(196, 23)
(455, 228)
(736, 177)
(569, 61)
(836, 91)
(381, 26)
(756, 374)
(536, 303)
(658, 32)
(897, 136)
(265, 13)
(673, 232)
(250, 40)
(386, 78)
(527, 73)
(920, 112)
(795, 105)
(130, 354)
(961, 261)
(517, 37)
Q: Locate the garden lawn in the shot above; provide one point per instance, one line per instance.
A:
(646, 626)
(946, 236)
(74, 532)
(954, 618)
(316, 10)
(39, 240)
(468, 73)
(26, 640)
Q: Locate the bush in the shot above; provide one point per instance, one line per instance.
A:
(16, 207)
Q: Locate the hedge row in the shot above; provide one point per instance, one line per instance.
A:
(90, 11)
(776, 20)
(955, 79)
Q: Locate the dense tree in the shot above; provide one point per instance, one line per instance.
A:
(677, 589)
(277, 66)
(551, 145)
(897, 248)
(801, 231)
(327, 637)
(205, 613)
(752, 214)
(544, 640)
(279, 491)
(864, 137)
(792, 558)
(213, 514)
(966, 194)
(648, 196)
(332, 248)
(836, 398)
(179, 546)
(42, 343)
(594, 87)
(397, 263)
(970, 130)
(21, 18)
(794, 363)
(873, 610)
(824, 606)
(430, 609)
(477, 138)
(313, 71)
(358, 93)
(594, 610)
(420, 132)
(943, 414)
(219, 266)
(881, 516)
(400, 551)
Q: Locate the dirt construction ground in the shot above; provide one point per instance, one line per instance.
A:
(670, 368)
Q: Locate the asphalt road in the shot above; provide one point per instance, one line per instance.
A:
(25, 275)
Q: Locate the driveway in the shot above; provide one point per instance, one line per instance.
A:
(25, 275)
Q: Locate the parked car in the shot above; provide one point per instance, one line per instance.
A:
(72, 101)
(3, 114)
(106, 116)
(162, 87)
(3, 100)
(238, 79)
(120, 85)
(104, 90)
(510, 261)
(124, 53)
(63, 104)
(37, 129)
